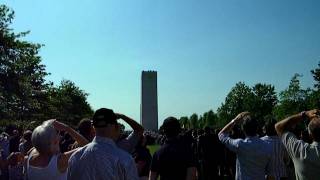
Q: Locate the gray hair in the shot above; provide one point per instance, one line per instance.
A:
(43, 135)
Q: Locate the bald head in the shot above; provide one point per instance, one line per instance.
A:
(314, 128)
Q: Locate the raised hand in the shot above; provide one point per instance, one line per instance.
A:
(59, 126)
(241, 115)
(312, 113)
(119, 116)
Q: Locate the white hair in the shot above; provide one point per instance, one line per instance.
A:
(43, 135)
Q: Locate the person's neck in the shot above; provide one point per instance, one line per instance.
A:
(247, 136)
(107, 137)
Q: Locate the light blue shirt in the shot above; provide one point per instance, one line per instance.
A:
(101, 159)
(253, 156)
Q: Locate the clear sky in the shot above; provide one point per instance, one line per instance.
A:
(200, 48)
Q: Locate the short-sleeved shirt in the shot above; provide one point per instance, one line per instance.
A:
(253, 156)
(305, 156)
(101, 159)
(172, 160)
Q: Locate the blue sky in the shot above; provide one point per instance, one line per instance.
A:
(199, 48)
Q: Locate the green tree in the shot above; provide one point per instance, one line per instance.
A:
(194, 121)
(265, 99)
(69, 102)
(314, 98)
(201, 122)
(258, 100)
(211, 119)
(184, 122)
(21, 71)
(239, 99)
(293, 99)
(316, 76)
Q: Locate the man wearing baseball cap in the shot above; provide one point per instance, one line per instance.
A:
(102, 159)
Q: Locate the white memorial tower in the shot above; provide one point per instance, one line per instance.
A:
(149, 100)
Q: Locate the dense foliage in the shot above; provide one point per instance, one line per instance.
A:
(25, 95)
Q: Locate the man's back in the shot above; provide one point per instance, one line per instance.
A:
(305, 156)
(253, 155)
(172, 160)
(276, 167)
(101, 159)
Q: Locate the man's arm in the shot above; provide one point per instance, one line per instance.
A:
(285, 125)
(74, 134)
(64, 157)
(231, 144)
(128, 144)
(231, 124)
(137, 128)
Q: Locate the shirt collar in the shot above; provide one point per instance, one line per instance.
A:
(104, 140)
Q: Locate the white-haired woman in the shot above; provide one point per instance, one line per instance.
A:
(46, 162)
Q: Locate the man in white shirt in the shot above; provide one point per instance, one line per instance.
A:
(102, 159)
(305, 156)
(253, 154)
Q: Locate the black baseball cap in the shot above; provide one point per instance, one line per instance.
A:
(102, 117)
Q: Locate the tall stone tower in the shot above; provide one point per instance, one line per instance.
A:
(149, 100)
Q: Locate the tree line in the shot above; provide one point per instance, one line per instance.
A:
(25, 94)
(262, 101)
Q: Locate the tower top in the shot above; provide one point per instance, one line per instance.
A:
(149, 71)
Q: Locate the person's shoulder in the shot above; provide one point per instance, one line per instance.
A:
(265, 144)
(264, 138)
(238, 140)
(122, 154)
(83, 150)
(289, 137)
(123, 157)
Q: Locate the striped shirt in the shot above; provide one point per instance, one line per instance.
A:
(276, 167)
(253, 156)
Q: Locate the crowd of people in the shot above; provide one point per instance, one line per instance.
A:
(97, 149)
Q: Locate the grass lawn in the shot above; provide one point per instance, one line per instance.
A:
(153, 148)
